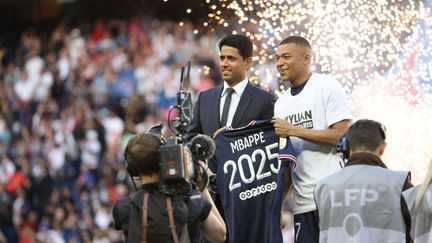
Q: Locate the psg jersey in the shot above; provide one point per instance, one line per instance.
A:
(249, 177)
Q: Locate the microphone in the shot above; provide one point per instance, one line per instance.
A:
(202, 147)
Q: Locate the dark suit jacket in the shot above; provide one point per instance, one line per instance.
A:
(255, 104)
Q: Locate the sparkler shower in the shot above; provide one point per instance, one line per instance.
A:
(379, 50)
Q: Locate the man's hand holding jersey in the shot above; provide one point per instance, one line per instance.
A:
(283, 128)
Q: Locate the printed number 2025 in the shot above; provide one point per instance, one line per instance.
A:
(250, 159)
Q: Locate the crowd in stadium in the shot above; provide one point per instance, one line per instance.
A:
(68, 101)
(72, 96)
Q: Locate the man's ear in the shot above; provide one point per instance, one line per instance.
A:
(248, 62)
(307, 58)
(382, 147)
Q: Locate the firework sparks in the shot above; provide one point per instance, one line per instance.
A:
(374, 48)
(351, 40)
(378, 50)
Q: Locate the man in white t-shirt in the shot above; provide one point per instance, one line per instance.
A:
(314, 113)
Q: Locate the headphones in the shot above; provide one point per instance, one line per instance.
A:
(130, 168)
(342, 144)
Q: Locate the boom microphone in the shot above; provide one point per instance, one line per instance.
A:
(202, 147)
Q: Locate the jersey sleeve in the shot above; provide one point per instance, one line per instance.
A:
(287, 153)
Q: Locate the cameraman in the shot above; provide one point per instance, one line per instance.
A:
(191, 213)
(362, 202)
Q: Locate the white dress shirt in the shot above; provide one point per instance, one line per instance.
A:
(235, 99)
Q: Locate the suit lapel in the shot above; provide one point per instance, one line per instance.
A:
(245, 99)
(215, 108)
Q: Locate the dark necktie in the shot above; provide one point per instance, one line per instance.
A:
(226, 106)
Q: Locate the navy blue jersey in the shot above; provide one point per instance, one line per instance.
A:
(250, 181)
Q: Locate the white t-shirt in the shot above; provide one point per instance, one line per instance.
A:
(320, 104)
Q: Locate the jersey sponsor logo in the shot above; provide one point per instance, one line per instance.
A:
(271, 186)
(301, 119)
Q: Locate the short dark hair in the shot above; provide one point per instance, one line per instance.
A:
(298, 40)
(366, 134)
(240, 42)
(142, 151)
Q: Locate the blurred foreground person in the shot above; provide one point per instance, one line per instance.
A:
(150, 215)
(363, 201)
(419, 202)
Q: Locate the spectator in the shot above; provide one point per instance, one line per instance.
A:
(52, 93)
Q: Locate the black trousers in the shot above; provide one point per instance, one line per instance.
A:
(306, 227)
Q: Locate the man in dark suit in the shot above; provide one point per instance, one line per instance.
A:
(247, 102)
(234, 103)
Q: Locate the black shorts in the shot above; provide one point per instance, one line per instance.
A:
(306, 227)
